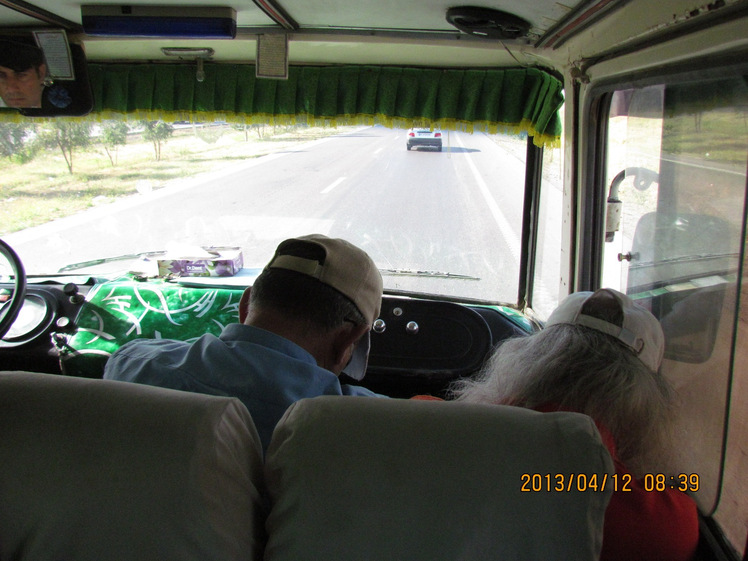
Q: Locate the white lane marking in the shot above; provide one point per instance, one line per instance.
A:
(507, 231)
(332, 185)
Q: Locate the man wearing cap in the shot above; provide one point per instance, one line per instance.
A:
(600, 355)
(305, 320)
(22, 74)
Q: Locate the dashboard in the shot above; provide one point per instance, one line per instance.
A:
(71, 325)
(48, 313)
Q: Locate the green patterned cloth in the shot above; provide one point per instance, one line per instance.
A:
(120, 311)
(517, 317)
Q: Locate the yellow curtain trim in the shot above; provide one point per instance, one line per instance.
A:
(490, 127)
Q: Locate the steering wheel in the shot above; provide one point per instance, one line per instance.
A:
(10, 310)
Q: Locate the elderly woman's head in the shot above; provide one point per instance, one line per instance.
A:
(599, 354)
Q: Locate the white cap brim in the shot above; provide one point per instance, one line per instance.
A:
(356, 368)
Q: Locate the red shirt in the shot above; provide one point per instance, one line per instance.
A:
(645, 525)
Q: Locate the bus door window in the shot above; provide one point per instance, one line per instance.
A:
(676, 164)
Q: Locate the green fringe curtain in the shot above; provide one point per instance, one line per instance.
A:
(508, 100)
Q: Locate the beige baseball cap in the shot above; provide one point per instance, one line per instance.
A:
(641, 332)
(349, 270)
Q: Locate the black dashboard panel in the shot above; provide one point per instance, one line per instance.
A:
(428, 338)
(421, 346)
(49, 308)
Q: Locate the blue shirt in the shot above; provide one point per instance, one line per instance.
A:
(265, 371)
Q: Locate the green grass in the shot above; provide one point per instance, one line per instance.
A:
(717, 136)
(42, 189)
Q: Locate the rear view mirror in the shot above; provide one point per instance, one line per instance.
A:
(44, 77)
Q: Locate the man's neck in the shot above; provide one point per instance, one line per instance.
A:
(296, 331)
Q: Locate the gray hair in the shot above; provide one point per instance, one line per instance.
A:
(579, 369)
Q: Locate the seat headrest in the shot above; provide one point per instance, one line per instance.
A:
(97, 469)
(356, 478)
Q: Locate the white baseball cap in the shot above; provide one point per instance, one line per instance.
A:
(640, 331)
(349, 270)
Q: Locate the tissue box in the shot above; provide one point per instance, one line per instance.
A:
(216, 262)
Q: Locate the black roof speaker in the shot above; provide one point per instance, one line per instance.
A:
(488, 23)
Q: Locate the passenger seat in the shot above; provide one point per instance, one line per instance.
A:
(352, 478)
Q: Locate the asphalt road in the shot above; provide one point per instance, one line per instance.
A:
(457, 211)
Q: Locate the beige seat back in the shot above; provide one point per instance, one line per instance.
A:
(94, 470)
(357, 478)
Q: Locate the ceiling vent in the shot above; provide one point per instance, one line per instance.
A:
(488, 23)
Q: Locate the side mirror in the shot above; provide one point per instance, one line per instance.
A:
(643, 178)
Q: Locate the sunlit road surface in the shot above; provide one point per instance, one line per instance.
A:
(457, 212)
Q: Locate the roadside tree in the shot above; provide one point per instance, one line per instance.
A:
(157, 132)
(113, 135)
(67, 136)
(14, 140)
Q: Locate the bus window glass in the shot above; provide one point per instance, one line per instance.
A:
(676, 175)
(634, 145)
(440, 220)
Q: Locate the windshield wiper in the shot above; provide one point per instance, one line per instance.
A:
(126, 257)
(435, 274)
